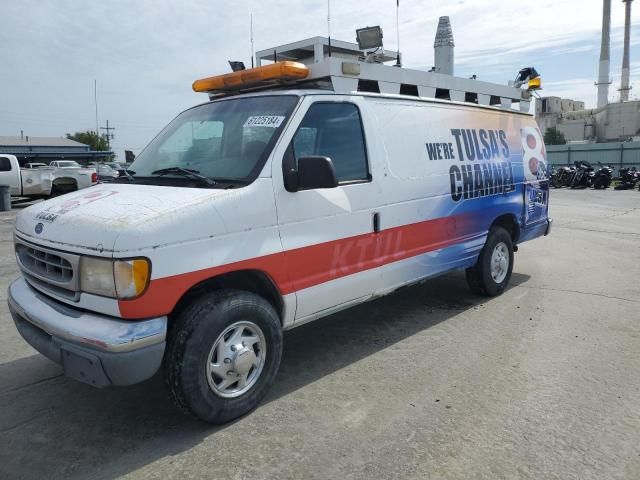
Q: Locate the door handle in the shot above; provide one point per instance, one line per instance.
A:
(376, 222)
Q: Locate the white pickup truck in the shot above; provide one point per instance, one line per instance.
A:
(45, 181)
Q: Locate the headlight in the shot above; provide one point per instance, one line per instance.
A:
(114, 278)
(96, 276)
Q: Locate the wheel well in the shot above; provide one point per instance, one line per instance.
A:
(509, 223)
(65, 183)
(254, 281)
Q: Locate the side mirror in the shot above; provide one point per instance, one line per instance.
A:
(316, 172)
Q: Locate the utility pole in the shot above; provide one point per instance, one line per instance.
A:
(95, 101)
(108, 135)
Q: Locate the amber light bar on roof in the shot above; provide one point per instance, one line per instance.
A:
(279, 71)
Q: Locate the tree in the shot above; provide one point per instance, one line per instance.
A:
(95, 141)
(553, 136)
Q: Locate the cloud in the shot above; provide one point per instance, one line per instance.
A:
(145, 54)
(575, 88)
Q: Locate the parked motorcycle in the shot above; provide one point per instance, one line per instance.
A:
(583, 175)
(602, 178)
(629, 177)
(561, 177)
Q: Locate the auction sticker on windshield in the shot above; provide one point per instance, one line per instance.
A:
(272, 121)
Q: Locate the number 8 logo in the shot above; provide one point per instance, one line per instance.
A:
(533, 154)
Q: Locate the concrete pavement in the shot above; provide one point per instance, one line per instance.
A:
(430, 382)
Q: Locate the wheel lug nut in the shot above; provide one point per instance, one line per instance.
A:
(230, 372)
(227, 360)
(233, 348)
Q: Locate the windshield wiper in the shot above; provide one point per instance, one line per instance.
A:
(185, 172)
(128, 175)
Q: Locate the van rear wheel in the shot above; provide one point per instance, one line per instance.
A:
(492, 272)
(223, 354)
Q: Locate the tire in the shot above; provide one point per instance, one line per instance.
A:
(190, 349)
(479, 277)
(55, 192)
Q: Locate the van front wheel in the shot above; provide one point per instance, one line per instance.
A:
(492, 272)
(223, 354)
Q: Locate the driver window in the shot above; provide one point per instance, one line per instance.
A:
(334, 130)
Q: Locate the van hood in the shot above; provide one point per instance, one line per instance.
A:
(112, 218)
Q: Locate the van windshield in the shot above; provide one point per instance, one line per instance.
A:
(226, 141)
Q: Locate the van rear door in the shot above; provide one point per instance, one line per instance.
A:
(536, 180)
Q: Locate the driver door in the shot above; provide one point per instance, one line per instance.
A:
(327, 233)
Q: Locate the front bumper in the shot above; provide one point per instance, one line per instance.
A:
(92, 348)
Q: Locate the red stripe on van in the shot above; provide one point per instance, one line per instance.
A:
(306, 267)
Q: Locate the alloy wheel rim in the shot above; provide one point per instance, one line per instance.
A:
(499, 262)
(236, 359)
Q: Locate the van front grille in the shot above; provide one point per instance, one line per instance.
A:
(50, 271)
(44, 264)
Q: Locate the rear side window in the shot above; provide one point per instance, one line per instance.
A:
(334, 130)
(5, 164)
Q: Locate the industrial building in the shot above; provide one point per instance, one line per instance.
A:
(615, 122)
(46, 149)
(608, 122)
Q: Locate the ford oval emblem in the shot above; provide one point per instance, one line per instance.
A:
(39, 228)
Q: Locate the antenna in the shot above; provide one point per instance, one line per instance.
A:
(329, 23)
(398, 62)
(252, 52)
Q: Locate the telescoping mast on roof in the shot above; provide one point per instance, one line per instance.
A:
(346, 67)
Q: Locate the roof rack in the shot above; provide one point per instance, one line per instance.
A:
(307, 64)
(315, 50)
(350, 76)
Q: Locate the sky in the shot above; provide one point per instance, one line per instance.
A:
(145, 54)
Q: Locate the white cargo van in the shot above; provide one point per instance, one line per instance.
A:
(283, 199)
